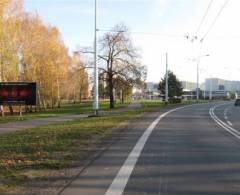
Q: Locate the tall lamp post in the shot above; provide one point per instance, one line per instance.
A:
(210, 88)
(95, 67)
(95, 98)
(198, 61)
(166, 82)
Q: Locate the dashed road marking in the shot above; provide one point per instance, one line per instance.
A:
(224, 125)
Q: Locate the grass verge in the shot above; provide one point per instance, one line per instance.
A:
(54, 147)
(65, 109)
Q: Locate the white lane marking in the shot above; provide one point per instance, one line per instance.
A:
(223, 123)
(225, 114)
(231, 130)
(226, 117)
(120, 181)
(229, 123)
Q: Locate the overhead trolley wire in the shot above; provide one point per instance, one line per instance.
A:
(183, 36)
(215, 20)
(144, 33)
(204, 16)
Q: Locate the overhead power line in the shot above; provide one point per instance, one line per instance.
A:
(204, 16)
(185, 36)
(215, 20)
(145, 33)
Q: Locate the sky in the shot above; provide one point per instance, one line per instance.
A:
(157, 27)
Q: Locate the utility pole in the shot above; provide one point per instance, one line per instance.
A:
(198, 61)
(210, 94)
(192, 39)
(204, 94)
(95, 103)
(166, 82)
(197, 79)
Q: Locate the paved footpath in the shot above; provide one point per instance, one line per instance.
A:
(27, 124)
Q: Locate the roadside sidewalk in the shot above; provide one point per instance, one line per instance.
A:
(27, 124)
(131, 106)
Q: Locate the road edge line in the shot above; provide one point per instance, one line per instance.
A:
(121, 179)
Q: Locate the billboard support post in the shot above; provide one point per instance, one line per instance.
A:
(17, 93)
(20, 110)
(2, 111)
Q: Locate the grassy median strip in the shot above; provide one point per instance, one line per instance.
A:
(54, 146)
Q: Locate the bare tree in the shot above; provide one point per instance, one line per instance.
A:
(119, 59)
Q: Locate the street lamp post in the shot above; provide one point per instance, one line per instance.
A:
(95, 67)
(95, 98)
(197, 79)
(166, 82)
(198, 61)
(210, 92)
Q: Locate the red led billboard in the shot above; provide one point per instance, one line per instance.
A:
(18, 93)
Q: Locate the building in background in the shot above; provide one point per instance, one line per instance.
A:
(189, 89)
(212, 88)
(216, 88)
(216, 84)
(188, 86)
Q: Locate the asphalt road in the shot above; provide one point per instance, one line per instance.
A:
(193, 150)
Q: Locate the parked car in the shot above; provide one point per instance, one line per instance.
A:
(237, 102)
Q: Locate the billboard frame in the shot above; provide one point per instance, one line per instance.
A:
(18, 93)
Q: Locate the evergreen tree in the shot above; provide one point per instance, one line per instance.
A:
(174, 85)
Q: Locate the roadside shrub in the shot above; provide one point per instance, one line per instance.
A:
(175, 100)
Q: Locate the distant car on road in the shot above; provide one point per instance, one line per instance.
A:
(237, 102)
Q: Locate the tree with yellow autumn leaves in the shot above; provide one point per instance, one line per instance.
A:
(33, 51)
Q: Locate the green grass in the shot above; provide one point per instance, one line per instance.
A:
(151, 103)
(158, 103)
(65, 109)
(79, 108)
(57, 146)
(53, 146)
